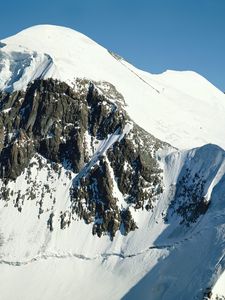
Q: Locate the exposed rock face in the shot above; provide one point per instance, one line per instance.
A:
(93, 200)
(86, 130)
(189, 198)
(51, 119)
(136, 169)
(70, 127)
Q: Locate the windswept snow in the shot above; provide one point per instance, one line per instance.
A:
(177, 107)
(164, 258)
(17, 69)
(149, 261)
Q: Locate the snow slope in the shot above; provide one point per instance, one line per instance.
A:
(159, 259)
(196, 256)
(177, 107)
(219, 288)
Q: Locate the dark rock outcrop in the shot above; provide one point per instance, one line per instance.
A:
(64, 125)
(189, 200)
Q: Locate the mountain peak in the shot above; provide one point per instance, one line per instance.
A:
(50, 51)
(170, 100)
(48, 38)
(87, 185)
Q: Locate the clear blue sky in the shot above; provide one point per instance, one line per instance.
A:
(154, 35)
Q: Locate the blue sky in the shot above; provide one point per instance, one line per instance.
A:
(154, 35)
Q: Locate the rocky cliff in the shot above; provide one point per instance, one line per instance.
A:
(86, 130)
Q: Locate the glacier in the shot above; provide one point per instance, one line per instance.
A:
(178, 250)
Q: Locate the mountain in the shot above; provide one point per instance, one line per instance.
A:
(111, 178)
(183, 106)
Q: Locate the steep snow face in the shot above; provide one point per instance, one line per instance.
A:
(46, 250)
(219, 288)
(18, 69)
(196, 255)
(162, 258)
(177, 107)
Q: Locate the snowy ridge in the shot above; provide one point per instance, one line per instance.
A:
(102, 147)
(179, 244)
(169, 100)
(201, 243)
(23, 67)
(165, 243)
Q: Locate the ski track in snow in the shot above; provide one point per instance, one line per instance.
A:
(152, 87)
(169, 103)
(104, 256)
(168, 100)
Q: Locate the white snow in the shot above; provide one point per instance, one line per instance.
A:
(159, 260)
(219, 288)
(181, 108)
(150, 260)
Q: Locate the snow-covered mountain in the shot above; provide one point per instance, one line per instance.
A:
(179, 107)
(112, 179)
